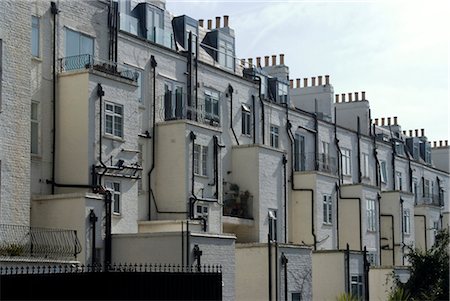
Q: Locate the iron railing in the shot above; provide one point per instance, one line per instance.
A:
(174, 107)
(238, 203)
(432, 199)
(306, 162)
(86, 61)
(22, 241)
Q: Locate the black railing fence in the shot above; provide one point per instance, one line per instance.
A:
(86, 61)
(115, 282)
(22, 241)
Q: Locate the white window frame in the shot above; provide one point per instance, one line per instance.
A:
(174, 89)
(356, 281)
(35, 26)
(200, 160)
(346, 156)
(406, 221)
(115, 189)
(274, 136)
(273, 229)
(35, 120)
(114, 116)
(371, 213)
(80, 36)
(299, 152)
(398, 180)
(383, 171)
(246, 120)
(365, 166)
(226, 54)
(372, 258)
(415, 190)
(212, 100)
(327, 209)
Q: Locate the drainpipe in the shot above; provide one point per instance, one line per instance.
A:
(347, 268)
(93, 220)
(403, 232)
(366, 274)
(196, 73)
(192, 136)
(339, 152)
(188, 236)
(153, 64)
(358, 135)
(108, 237)
(269, 251)
(338, 190)
(425, 227)
(230, 93)
(254, 119)
(293, 188)
(284, 262)
(276, 271)
(100, 94)
(379, 224)
(377, 162)
(410, 172)
(393, 237)
(261, 102)
(182, 244)
(284, 161)
(189, 75)
(216, 165)
(54, 11)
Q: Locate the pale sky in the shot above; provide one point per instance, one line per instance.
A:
(396, 51)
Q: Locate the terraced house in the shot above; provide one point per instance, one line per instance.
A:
(149, 141)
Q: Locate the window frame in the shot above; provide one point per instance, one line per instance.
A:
(299, 152)
(203, 214)
(399, 180)
(225, 57)
(274, 136)
(116, 196)
(327, 209)
(358, 284)
(37, 122)
(80, 36)
(212, 99)
(383, 171)
(346, 159)
(371, 213)
(114, 116)
(406, 221)
(201, 160)
(177, 106)
(36, 26)
(272, 220)
(246, 120)
(365, 166)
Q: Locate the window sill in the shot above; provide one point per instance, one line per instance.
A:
(36, 59)
(115, 138)
(327, 224)
(201, 176)
(372, 231)
(36, 156)
(117, 215)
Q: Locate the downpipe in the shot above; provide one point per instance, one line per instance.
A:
(338, 191)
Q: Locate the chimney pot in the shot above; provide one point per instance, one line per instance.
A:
(350, 97)
(363, 95)
(395, 120)
(250, 62)
(417, 132)
(382, 121)
(356, 96)
(389, 120)
(343, 97)
(291, 83)
(404, 133)
(200, 22)
(298, 82)
(376, 121)
(281, 59)
(305, 82)
(266, 60)
(243, 62)
(225, 21)
(217, 22)
(422, 132)
(410, 133)
(434, 143)
(446, 142)
(274, 60)
(313, 81)
(209, 24)
(440, 143)
(327, 79)
(319, 78)
(258, 61)
(337, 98)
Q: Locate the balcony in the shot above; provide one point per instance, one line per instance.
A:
(325, 163)
(86, 61)
(432, 199)
(38, 243)
(177, 109)
(237, 203)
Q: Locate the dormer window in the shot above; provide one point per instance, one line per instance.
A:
(220, 45)
(182, 26)
(278, 91)
(226, 52)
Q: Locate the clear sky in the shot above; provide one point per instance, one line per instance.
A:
(396, 51)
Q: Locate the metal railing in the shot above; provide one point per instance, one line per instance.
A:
(238, 204)
(306, 162)
(432, 199)
(23, 241)
(176, 109)
(86, 61)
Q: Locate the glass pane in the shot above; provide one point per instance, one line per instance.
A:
(108, 124)
(34, 137)
(118, 126)
(35, 36)
(86, 45)
(72, 43)
(34, 111)
(116, 187)
(118, 110)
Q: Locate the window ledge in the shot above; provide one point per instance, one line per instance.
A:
(115, 138)
(117, 215)
(201, 176)
(327, 224)
(36, 156)
(36, 59)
